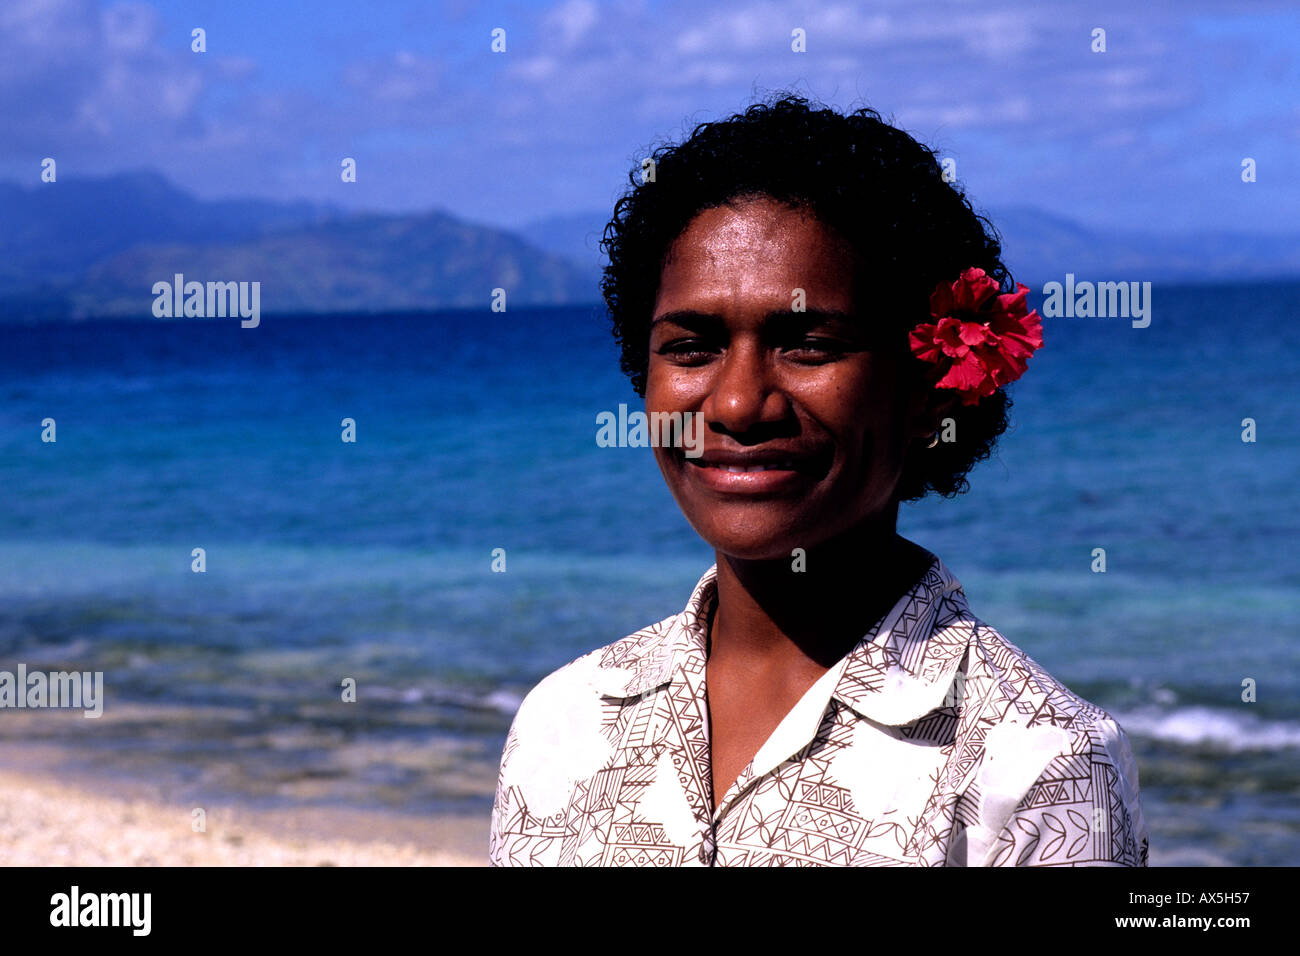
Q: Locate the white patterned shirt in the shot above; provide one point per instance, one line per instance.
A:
(933, 742)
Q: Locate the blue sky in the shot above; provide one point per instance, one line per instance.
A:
(1148, 135)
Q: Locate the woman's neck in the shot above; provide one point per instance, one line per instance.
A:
(772, 617)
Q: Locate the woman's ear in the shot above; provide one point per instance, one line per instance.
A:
(927, 408)
(943, 403)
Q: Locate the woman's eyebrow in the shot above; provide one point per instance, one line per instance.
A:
(809, 317)
(689, 318)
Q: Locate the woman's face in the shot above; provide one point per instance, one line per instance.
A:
(805, 422)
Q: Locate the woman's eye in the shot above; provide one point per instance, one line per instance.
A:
(812, 350)
(815, 348)
(687, 351)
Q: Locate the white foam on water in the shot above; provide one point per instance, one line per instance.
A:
(504, 701)
(1205, 725)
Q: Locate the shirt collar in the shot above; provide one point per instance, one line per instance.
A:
(899, 671)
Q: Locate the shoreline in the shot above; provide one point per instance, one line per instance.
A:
(49, 818)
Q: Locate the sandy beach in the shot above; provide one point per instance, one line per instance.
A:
(46, 822)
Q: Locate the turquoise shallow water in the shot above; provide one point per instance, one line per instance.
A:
(372, 560)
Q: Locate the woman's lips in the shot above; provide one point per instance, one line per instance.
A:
(757, 477)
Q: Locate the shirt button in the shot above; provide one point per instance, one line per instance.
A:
(706, 852)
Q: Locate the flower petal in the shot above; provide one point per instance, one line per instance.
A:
(967, 372)
(972, 290)
(973, 333)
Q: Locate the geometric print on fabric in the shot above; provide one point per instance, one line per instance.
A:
(933, 742)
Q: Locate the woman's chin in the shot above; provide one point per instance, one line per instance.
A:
(748, 546)
(788, 538)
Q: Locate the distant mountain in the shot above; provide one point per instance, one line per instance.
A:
(96, 247)
(357, 264)
(576, 236)
(55, 231)
(1041, 247)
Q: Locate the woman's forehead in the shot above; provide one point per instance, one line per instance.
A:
(757, 251)
(754, 224)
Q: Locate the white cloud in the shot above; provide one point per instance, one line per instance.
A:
(130, 27)
(400, 77)
(573, 19)
(998, 78)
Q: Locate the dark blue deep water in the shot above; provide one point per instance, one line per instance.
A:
(475, 431)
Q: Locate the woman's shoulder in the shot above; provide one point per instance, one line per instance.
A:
(1033, 718)
(628, 666)
(1012, 682)
(1048, 776)
(1045, 760)
(609, 670)
(997, 681)
(558, 734)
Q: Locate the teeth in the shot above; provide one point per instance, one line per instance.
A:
(775, 466)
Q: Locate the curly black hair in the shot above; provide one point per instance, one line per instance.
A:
(873, 184)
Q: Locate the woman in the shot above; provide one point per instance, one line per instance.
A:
(809, 284)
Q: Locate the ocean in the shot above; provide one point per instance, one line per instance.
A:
(475, 431)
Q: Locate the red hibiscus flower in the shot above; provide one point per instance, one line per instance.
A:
(982, 339)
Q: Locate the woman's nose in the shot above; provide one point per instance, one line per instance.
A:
(743, 393)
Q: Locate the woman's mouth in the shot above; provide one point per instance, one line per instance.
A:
(757, 472)
(743, 469)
